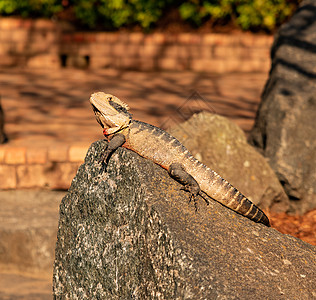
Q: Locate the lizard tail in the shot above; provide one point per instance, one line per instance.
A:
(245, 207)
(236, 201)
(223, 192)
(219, 189)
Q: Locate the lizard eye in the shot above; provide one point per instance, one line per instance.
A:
(109, 98)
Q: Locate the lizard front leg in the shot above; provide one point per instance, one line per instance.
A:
(178, 172)
(115, 142)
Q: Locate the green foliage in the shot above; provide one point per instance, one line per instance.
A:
(30, 8)
(262, 13)
(112, 14)
(248, 14)
(117, 13)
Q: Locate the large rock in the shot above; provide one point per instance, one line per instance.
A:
(284, 130)
(222, 145)
(130, 233)
(3, 137)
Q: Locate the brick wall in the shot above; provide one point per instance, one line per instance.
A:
(37, 43)
(52, 168)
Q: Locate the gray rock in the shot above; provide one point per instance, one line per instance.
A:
(130, 233)
(3, 136)
(284, 130)
(222, 145)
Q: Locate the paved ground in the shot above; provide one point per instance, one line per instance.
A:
(50, 107)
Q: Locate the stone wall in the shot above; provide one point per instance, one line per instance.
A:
(52, 167)
(43, 43)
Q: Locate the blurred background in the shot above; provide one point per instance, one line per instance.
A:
(157, 55)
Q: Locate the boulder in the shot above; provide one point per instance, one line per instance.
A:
(130, 233)
(222, 146)
(3, 136)
(284, 130)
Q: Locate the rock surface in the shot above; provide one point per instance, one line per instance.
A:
(3, 136)
(222, 146)
(130, 233)
(284, 129)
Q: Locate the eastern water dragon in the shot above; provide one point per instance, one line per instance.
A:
(159, 146)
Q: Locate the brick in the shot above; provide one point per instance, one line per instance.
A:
(101, 49)
(158, 38)
(90, 37)
(136, 37)
(36, 155)
(129, 63)
(52, 175)
(62, 175)
(149, 50)
(184, 38)
(43, 24)
(207, 51)
(262, 53)
(7, 60)
(183, 64)
(32, 176)
(124, 38)
(216, 65)
(77, 153)
(20, 35)
(84, 49)
(171, 51)
(18, 47)
(227, 52)
(45, 60)
(6, 36)
(2, 154)
(27, 24)
(97, 62)
(119, 49)
(7, 177)
(15, 155)
(208, 39)
(262, 41)
(189, 38)
(5, 48)
(148, 63)
(107, 37)
(167, 64)
(58, 153)
(9, 23)
(194, 51)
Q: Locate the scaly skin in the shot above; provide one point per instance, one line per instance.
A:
(157, 145)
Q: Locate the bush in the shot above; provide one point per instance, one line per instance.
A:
(112, 14)
(30, 8)
(117, 13)
(248, 14)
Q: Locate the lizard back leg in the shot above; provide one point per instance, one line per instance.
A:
(178, 172)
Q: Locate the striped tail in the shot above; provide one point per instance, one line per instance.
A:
(236, 201)
(239, 203)
(223, 192)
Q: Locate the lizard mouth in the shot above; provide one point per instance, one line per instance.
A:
(98, 116)
(101, 119)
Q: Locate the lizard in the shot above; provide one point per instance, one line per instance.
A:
(155, 144)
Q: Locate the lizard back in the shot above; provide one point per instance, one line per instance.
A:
(159, 146)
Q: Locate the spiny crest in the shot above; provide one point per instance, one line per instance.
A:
(117, 100)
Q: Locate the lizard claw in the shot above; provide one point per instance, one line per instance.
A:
(194, 191)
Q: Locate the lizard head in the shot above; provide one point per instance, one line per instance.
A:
(111, 113)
